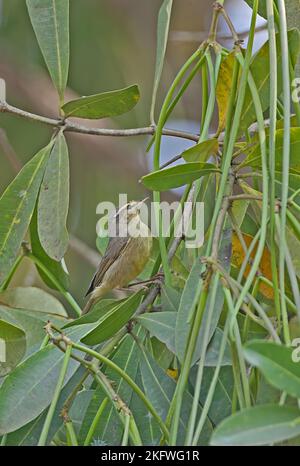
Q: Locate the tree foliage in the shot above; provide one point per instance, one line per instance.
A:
(227, 315)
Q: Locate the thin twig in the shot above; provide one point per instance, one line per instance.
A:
(74, 127)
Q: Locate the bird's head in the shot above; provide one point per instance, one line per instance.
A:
(131, 210)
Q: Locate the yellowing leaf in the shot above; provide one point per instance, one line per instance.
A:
(224, 85)
(238, 256)
(173, 373)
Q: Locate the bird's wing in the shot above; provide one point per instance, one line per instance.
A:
(114, 249)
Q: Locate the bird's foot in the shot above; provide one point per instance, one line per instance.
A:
(157, 279)
(129, 326)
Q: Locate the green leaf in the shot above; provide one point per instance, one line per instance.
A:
(98, 311)
(276, 363)
(160, 388)
(109, 428)
(160, 325)
(162, 355)
(221, 405)
(239, 210)
(254, 158)
(202, 151)
(170, 299)
(12, 346)
(104, 105)
(114, 320)
(57, 269)
(28, 390)
(188, 302)
(76, 413)
(53, 201)
(16, 207)
(32, 298)
(213, 350)
(260, 425)
(50, 21)
(163, 24)
(173, 177)
(146, 424)
(261, 74)
(29, 434)
(30, 322)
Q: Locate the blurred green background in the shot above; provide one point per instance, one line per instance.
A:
(112, 46)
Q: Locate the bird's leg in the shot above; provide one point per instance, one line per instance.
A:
(144, 284)
(157, 278)
(129, 326)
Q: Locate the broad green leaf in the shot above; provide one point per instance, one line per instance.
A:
(254, 158)
(202, 151)
(50, 21)
(109, 428)
(147, 425)
(29, 434)
(28, 390)
(53, 203)
(188, 302)
(104, 105)
(114, 320)
(276, 363)
(16, 207)
(79, 407)
(30, 322)
(261, 74)
(77, 412)
(221, 406)
(163, 24)
(162, 355)
(169, 299)
(259, 425)
(32, 298)
(213, 350)
(224, 85)
(159, 388)
(57, 269)
(98, 311)
(239, 210)
(173, 177)
(207, 195)
(12, 346)
(160, 325)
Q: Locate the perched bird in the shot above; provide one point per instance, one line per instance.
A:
(125, 256)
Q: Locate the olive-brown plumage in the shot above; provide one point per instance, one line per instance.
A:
(125, 257)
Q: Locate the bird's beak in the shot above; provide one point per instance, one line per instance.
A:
(120, 210)
(142, 202)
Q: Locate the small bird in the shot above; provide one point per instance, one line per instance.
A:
(125, 256)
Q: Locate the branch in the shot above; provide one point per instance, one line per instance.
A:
(74, 127)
